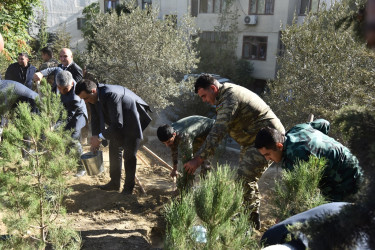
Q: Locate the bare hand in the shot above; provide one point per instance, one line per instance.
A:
(193, 164)
(174, 173)
(37, 77)
(95, 143)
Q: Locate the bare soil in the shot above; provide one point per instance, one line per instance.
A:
(111, 220)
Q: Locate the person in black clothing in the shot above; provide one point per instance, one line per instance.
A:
(21, 71)
(67, 63)
(280, 234)
(126, 115)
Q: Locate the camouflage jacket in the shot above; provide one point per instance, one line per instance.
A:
(50, 64)
(241, 113)
(342, 174)
(190, 135)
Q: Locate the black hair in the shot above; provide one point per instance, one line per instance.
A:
(204, 81)
(165, 132)
(23, 54)
(85, 85)
(48, 51)
(267, 138)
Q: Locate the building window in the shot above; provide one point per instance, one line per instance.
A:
(261, 7)
(254, 48)
(146, 3)
(194, 7)
(211, 6)
(308, 5)
(80, 23)
(110, 5)
(213, 37)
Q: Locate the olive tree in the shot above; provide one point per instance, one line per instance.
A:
(323, 67)
(142, 52)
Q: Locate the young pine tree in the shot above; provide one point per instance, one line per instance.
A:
(35, 158)
(298, 190)
(217, 206)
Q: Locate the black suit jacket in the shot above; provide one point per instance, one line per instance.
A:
(74, 105)
(75, 70)
(14, 73)
(124, 112)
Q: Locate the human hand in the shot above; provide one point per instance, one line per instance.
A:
(174, 173)
(193, 164)
(95, 143)
(37, 77)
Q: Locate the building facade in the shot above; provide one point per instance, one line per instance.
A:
(68, 14)
(260, 23)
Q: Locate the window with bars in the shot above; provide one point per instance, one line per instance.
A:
(264, 7)
(110, 5)
(146, 3)
(254, 48)
(211, 6)
(308, 5)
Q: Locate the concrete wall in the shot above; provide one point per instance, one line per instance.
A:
(66, 12)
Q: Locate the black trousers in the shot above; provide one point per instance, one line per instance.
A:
(127, 148)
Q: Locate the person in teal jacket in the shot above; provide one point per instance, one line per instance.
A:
(342, 175)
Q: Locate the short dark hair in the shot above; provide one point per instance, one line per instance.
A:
(48, 51)
(267, 138)
(204, 81)
(23, 54)
(165, 132)
(85, 85)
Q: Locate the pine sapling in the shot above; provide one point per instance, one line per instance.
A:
(35, 158)
(298, 190)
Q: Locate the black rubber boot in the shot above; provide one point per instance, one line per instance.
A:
(255, 219)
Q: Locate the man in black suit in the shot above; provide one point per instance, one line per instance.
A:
(21, 71)
(67, 63)
(75, 106)
(126, 115)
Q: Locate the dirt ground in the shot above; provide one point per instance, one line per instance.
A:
(110, 220)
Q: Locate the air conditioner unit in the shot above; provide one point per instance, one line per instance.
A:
(251, 20)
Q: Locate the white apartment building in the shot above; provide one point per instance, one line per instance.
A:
(259, 24)
(68, 13)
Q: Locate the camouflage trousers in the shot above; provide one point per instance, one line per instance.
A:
(252, 166)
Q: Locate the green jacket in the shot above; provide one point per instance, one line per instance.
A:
(190, 135)
(240, 113)
(342, 175)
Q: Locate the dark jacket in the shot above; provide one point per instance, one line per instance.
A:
(278, 234)
(124, 112)
(73, 105)
(75, 70)
(14, 73)
(342, 175)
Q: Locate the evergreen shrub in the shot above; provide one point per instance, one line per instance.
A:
(298, 189)
(35, 159)
(216, 205)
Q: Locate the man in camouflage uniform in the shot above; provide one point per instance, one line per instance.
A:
(184, 137)
(342, 175)
(240, 113)
(48, 62)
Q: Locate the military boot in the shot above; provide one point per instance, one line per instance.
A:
(255, 219)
